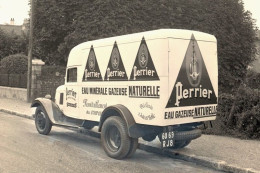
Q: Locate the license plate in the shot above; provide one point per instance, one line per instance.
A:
(167, 139)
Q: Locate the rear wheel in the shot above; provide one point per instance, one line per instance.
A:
(115, 139)
(133, 147)
(42, 121)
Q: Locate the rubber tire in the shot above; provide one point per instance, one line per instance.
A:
(48, 125)
(188, 135)
(133, 147)
(125, 140)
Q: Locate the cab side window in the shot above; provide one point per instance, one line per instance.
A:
(72, 75)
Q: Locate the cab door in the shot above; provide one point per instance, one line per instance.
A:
(71, 106)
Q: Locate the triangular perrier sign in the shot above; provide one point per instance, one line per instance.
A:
(92, 72)
(115, 70)
(143, 69)
(193, 85)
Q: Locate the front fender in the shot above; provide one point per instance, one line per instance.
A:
(50, 108)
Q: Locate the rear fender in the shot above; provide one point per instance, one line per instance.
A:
(117, 110)
(134, 130)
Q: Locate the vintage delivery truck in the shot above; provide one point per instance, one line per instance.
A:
(158, 83)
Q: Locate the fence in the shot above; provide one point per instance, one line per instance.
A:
(13, 80)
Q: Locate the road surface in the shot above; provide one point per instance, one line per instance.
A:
(22, 149)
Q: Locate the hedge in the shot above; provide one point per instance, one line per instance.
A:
(14, 64)
(246, 115)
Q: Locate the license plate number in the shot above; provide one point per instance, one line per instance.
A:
(167, 139)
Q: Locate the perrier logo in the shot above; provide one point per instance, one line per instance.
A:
(193, 85)
(143, 68)
(92, 72)
(115, 69)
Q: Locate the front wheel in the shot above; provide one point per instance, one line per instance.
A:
(42, 121)
(115, 139)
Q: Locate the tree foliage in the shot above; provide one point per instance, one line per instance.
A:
(14, 64)
(62, 24)
(11, 43)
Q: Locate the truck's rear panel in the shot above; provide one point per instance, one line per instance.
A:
(193, 79)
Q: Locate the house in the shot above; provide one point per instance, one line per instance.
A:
(256, 62)
(16, 29)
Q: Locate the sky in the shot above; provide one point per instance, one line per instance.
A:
(254, 7)
(19, 10)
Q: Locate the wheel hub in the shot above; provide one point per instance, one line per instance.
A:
(114, 138)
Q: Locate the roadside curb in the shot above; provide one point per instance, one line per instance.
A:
(204, 161)
(17, 114)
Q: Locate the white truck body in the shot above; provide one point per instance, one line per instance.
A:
(158, 83)
(159, 91)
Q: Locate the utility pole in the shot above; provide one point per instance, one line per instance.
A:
(29, 73)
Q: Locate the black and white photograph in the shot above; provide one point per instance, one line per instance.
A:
(101, 86)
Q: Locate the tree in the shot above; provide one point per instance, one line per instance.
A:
(11, 43)
(52, 24)
(14, 64)
(61, 25)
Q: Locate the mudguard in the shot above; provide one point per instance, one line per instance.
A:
(55, 114)
(117, 110)
(134, 130)
(50, 108)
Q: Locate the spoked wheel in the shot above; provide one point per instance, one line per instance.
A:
(115, 140)
(42, 121)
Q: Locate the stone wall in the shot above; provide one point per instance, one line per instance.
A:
(13, 93)
(49, 84)
(50, 78)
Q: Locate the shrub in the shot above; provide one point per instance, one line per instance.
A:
(2, 70)
(10, 43)
(247, 112)
(253, 79)
(15, 64)
(246, 122)
(225, 102)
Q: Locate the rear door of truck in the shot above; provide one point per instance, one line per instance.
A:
(193, 79)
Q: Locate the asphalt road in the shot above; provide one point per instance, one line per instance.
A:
(22, 149)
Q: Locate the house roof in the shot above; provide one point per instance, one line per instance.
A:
(17, 29)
